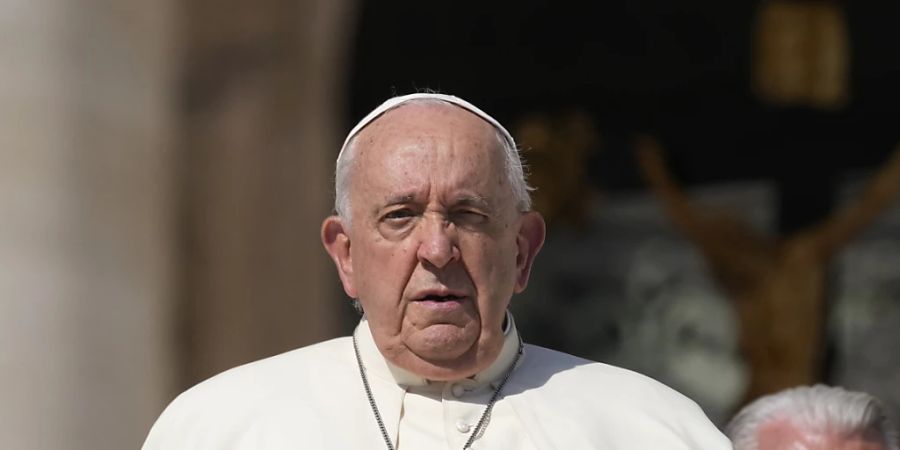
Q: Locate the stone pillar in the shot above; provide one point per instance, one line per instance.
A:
(87, 228)
(262, 82)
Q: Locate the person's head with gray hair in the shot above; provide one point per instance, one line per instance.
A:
(513, 167)
(813, 418)
(433, 232)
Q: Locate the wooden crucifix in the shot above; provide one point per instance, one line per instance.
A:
(777, 283)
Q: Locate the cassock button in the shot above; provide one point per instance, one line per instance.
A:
(458, 390)
(462, 426)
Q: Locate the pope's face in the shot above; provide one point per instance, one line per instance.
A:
(436, 246)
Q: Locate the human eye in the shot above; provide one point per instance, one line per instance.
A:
(397, 215)
(468, 217)
(397, 219)
(397, 222)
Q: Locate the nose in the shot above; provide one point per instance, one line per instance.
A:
(437, 245)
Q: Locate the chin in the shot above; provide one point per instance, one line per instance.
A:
(444, 341)
(438, 366)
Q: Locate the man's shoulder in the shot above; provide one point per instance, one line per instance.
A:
(282, 371)
(564, 371)
(615, 405)
(285, 385)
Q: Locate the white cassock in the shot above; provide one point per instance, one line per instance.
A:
(313, 398)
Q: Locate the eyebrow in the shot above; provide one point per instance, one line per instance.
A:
(399, 199)
(473, 200)
(462, 200)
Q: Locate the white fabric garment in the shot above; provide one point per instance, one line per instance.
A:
(313, 398)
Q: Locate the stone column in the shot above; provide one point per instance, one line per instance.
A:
(86, 221)
(263, 85)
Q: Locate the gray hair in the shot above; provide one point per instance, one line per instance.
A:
(816, 408)
(514, 169)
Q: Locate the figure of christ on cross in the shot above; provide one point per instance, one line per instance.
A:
(777, 283)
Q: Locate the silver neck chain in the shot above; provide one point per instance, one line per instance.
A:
(482, 422)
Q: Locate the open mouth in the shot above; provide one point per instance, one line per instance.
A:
(440, 298)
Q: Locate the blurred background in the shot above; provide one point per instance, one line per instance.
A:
(719, 179)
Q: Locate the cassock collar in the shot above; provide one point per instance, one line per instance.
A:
(378, 366)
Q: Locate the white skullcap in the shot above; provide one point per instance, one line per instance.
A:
(397, 101)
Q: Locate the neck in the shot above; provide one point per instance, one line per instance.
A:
(380, 367)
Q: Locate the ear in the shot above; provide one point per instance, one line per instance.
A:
(337, 244)
(531, 237)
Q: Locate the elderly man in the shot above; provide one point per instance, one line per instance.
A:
(813, 418)
(433, 236)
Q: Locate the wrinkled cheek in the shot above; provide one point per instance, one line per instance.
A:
(384, 271)
(500, 277)
(384, 309)
(381, 310)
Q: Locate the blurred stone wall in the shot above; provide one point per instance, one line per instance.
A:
(164, 168)
(87, 234)
(261, 96)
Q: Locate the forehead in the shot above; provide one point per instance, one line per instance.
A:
(422, 151)
(424, 119)
(427, 133)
